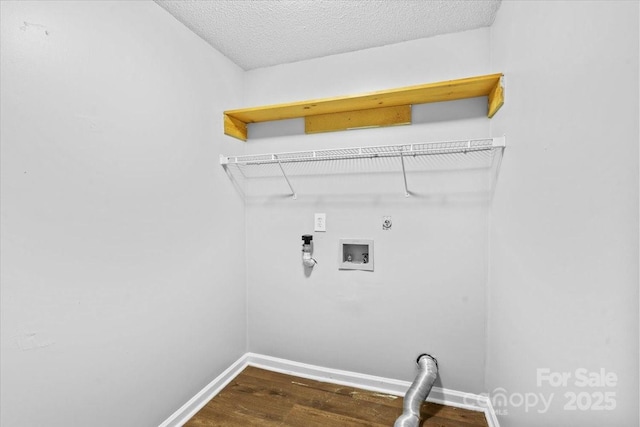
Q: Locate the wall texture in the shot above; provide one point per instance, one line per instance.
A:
(427, 293)
(563, 291)
(122, 253)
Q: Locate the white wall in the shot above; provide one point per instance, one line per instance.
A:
(563, 291)
(123, 263)
(427, 293)
(122, 253)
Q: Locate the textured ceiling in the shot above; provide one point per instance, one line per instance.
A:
(261, 33)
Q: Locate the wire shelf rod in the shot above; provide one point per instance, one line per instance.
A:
(293, 195)
(404, 175)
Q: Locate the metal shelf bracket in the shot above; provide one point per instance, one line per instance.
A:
(284, 174)
(404, 172)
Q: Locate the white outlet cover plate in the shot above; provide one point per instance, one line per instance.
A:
(320, 222)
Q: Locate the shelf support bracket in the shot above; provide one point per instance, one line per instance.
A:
(359, 119)
(235, 128)
(293, 192)
(496, 98)
(404, 172)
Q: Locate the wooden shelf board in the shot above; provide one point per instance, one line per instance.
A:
(472, 87)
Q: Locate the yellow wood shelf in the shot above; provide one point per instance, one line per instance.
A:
(374, 109)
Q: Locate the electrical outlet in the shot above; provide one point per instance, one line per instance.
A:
(320, 222)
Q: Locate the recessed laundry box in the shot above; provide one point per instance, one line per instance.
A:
(355, 254)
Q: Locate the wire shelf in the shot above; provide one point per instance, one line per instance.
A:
(420, 149)
(470, 153)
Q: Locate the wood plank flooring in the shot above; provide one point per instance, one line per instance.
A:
(257, 397)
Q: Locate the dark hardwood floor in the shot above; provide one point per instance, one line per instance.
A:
(257, 397)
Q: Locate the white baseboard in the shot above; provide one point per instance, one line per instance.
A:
(197, 402)
(473, 402)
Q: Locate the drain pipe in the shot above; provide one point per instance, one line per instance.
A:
(418, 392)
